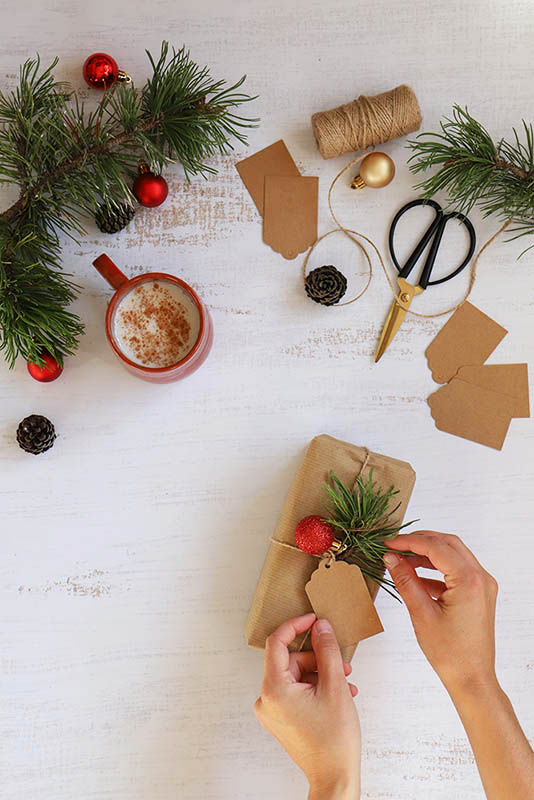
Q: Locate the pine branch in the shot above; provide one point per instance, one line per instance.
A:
(67, 163)
(474, 170)
(32, 301)
(364, 520)
(74, 164)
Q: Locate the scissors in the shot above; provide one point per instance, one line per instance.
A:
(408, 291)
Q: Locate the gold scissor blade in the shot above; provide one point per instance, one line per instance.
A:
(391, 326)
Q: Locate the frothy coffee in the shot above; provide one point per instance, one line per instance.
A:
(156, 324)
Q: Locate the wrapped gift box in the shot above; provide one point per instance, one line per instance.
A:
(280, 593)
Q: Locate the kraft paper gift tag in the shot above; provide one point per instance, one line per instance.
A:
(509, 379)
(467, 338)
(272, 160)
(338, 593)
(290, 213)
(472, 412)
(280, 592)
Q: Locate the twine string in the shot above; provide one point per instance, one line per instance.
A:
(364, 465)
(352, 234)
(348, 232)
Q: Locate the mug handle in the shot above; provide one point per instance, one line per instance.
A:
(110, 271)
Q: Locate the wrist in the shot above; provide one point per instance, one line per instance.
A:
(480, 688)
(343, 786)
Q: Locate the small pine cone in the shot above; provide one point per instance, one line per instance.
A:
(113, 220)
(325, 285)
(36, 434)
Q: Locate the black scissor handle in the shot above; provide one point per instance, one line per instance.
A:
(420, 246)
(472, 244)
(435, 229)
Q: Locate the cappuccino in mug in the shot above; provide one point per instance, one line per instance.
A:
(156, 324)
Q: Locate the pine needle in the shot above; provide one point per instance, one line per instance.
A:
(67, 163)
(364, 522)
(475, 170)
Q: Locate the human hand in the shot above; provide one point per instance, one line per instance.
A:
(453, 619)
(307, 705)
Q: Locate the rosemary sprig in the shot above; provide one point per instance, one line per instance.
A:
(364, 520)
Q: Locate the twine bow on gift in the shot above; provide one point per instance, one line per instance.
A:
(329, 555)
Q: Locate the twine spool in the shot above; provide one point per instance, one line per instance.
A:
(366, 121)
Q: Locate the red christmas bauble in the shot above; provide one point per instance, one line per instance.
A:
(313, 535)
(150, 190)
(100, 71)
(49, 372)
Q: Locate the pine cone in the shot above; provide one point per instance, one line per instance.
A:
(35, 434)
(325, 285)
(113, 220)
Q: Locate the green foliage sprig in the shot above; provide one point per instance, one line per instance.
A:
(364, 520)
(67, 163)
(475, 170)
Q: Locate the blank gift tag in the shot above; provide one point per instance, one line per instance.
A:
(467, 338)
(272, 160)
(509, 379)
(339, 594)
(290, 213)
(472, 412)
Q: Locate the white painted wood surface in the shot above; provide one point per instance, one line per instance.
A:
(130, 552)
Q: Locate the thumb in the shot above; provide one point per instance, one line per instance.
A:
(407, 583)
(327, 653)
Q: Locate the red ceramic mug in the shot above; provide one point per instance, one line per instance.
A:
(141, 332)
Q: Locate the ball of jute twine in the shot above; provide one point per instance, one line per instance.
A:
(366, 121)
(355, 237)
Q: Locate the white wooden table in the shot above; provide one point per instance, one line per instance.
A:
(130, 552)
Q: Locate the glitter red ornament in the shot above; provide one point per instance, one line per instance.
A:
(101, 71)
(313, 535)
(150, 190)
(49, 372)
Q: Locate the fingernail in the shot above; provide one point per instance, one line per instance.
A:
(391, 560)
(323, 626)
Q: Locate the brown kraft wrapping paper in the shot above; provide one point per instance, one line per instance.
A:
(280, 593)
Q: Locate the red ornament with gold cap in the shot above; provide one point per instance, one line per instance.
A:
(149, 189)
(101, 71)
(46, 373)
(313, 535)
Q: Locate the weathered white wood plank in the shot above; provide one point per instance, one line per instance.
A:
(129, 553)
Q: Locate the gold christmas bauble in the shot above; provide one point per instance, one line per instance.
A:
(376, 170)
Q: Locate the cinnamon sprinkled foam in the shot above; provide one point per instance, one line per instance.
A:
(156, 324)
